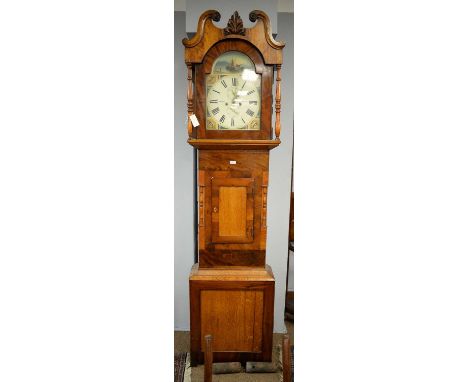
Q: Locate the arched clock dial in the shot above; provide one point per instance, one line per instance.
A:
(233, 94)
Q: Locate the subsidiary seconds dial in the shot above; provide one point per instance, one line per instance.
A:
(233, 103)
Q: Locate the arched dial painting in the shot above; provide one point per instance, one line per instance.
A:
(233, 94)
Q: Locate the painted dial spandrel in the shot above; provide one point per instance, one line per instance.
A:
(233, 94)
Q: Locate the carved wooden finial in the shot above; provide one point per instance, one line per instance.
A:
(235, 25)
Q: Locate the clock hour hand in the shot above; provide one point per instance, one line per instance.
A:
(233, 103)
(233, 109)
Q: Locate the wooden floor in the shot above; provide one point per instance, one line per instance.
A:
(182, 344)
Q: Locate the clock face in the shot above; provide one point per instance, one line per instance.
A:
(233, 94)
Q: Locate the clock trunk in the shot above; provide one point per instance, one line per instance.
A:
(232, 207)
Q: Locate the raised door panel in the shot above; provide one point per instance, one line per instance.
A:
(232, 210)
(234, 318)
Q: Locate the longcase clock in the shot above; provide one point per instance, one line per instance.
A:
(230, 123)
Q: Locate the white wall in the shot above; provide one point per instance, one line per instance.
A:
(226, 8)
(279, 189)
(283, 6)
(280, 174)
(183, 184)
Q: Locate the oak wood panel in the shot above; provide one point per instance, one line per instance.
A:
(236, 279)
(232, 205)
(230, 317)
(234, 273)
(232, 211)
(258, 321)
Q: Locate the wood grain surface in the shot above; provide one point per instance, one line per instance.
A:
(230, 317)
(233, 168)
(235, 306)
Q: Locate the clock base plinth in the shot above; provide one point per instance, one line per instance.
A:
(235, 305)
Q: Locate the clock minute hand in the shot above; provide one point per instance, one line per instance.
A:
(233, 101)
(234, 94)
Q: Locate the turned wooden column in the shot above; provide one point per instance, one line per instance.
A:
(278, 102)
(189, 99)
